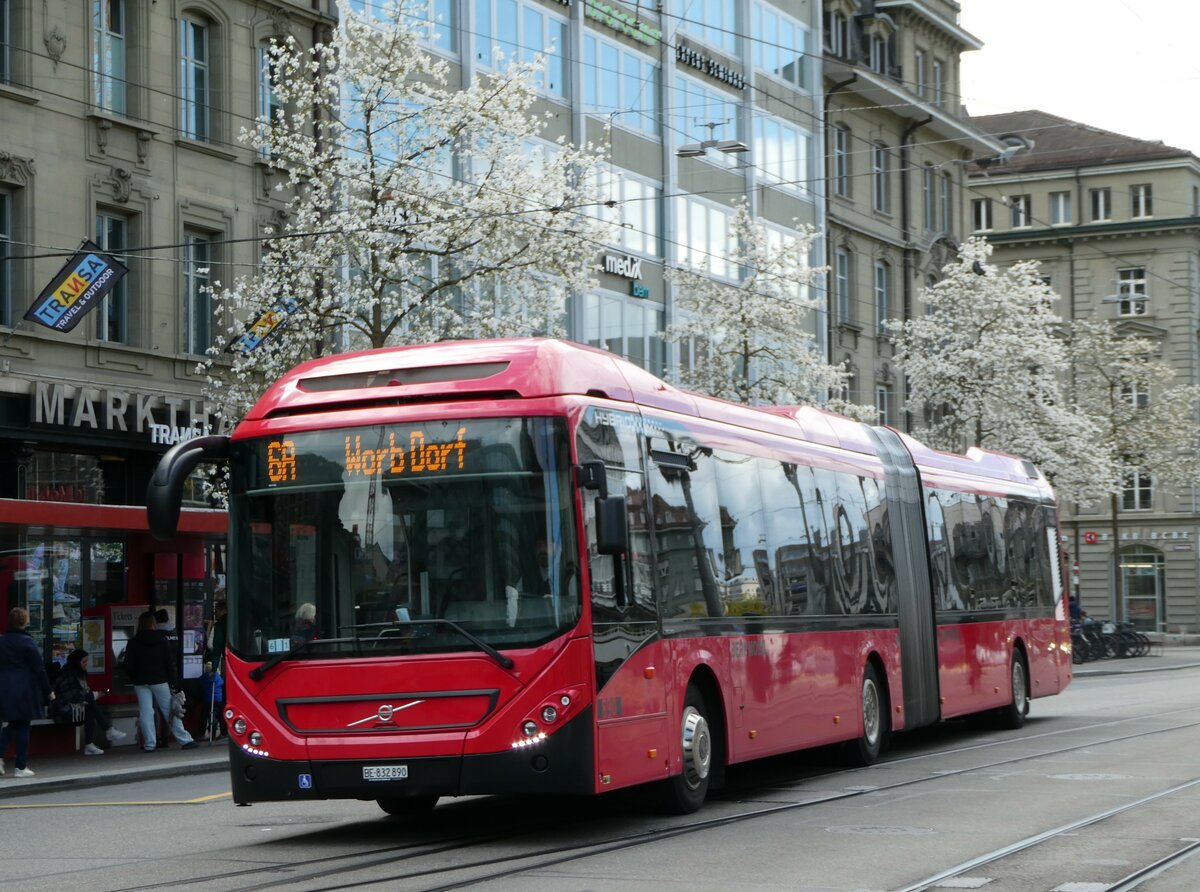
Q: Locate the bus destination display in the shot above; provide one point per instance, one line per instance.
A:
(408, 453)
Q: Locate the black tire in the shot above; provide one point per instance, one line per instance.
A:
(1013, 715)
(873, 702)
(685, 792)
(408, 806)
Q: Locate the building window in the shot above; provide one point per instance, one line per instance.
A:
(883, 403)
(781, 154)
(919, 74)
(199, 254)
(981, 214)
(1019, 206)
(879, 179)
(702, 236)
(1131, 291)
(1101, 204)
(194, 78)
(620, 83)
(780, 45)
(713, 21)
(947, 201)
(1141, 201)
(108, 55)
(5, 41)
(839, 35)
(1060, 208)
(878, 54)
(927, 197)
(6, 276)
(1138, 493)
(939, 82)
(629, 328)
(522, 32)
(1196, 201)
(841, 284)
(698, 105)
(439, 16)
(270, 109)
(634, 211)
(883, 288)
(841, 161)
(112, 234)
(1136, 394)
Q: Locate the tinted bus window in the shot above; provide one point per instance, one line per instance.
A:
(787, 536)
(747, 587)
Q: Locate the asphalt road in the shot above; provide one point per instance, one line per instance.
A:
(1103, 782)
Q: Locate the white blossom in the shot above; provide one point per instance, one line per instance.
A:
(752, 343)
(985, 368)
(414, 211)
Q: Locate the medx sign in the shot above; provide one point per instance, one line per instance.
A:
(629, 267)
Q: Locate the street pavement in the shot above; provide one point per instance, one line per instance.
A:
(128, 764)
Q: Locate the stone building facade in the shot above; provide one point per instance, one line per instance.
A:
(1114, 222)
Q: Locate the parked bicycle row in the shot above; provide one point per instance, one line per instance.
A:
(1093, 640)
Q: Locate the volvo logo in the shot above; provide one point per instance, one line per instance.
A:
(384, 714)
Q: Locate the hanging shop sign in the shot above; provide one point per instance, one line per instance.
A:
(622, 22)
(80, 285)
(1092, 538)
(710, 66)
(163, 419)
(264, 326)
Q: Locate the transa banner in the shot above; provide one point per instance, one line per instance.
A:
(261, 328)
(76, 288)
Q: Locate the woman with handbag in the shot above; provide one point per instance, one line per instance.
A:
(150, 665)
(24, 687)
(75, 704)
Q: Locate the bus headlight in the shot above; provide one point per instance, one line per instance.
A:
(239, 727)
(256, 738)
(529, 729)
(549, 715)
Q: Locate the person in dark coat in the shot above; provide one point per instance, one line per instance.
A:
(24, 688)
(150, 665)
(71, 690)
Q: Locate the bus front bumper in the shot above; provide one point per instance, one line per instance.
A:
(561, 763)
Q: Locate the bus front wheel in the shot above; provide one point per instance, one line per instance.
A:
(685, 792)
(408, 806)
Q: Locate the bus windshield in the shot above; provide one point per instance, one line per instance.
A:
(402, 538)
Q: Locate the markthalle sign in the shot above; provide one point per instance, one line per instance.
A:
(76, 288)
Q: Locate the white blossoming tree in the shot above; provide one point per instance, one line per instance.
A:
(752, 344)
(415, 211)
(1145, 419)
(984, 366)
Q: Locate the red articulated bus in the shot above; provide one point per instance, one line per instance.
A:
(528, 566)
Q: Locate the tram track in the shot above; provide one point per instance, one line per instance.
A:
(501, 867)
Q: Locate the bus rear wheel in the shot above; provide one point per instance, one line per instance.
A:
(685, 792)
(1013, 715)
(408, 806)
(867, 749)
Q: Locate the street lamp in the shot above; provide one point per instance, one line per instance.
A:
(696, 149)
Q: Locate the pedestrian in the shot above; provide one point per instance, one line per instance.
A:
(305, 628)
(212, 693)
(71, 693)
(24, 688)
(216, 637)
(150, 665)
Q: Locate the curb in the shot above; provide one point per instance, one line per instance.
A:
(1094, 673)
(11, 788)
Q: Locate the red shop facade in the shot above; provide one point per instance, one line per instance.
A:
(75, 549)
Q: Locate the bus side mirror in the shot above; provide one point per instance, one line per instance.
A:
(610, 525)
(164, 494)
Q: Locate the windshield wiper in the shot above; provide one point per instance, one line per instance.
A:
(259, 671)
(500, 658)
